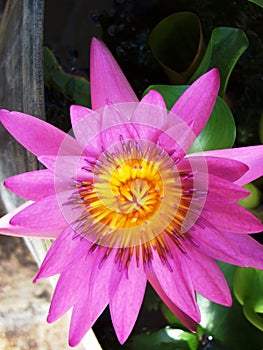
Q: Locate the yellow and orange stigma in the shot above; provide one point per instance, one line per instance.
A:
(137, 202)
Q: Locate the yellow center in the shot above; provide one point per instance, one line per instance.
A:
(135, 195)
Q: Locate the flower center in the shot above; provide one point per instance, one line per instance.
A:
(136, 202)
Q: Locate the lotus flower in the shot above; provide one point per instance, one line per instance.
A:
(127, 204)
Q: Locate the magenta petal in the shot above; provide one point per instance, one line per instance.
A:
(43, 214)
(104, 280)
(241, 250)
(231, 218)
(64, 253)
(33, 185)
(208, 280)
(36, 135)
(177, 284)
(107, 81)
(126, 302)
(196, 104)
(77, 113)
(228, 169)
(190, 323)
(252, 156)
(70, 287)
(21, 231)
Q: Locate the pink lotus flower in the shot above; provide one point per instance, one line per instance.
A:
(126, 203)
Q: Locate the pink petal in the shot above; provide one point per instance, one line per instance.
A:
(43, 214)
(231, 217)
(33, 185)
(67, 249)
(252, 156)
(228, 169)
(190, 324)
(208, 280)
(107, 81)
(10, 230)
(177, 284)
(104, 280)
(196, 104)
(70, 287)
(241, 250)
(126, 302)
(36, 135)
(77, 113)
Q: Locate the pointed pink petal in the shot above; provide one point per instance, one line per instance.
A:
(107, 81)
(196, 104)
(10, 230)
(33, 185)
(103, 283)
(154, 98)
(241, 250)
(208, 280)
(177, 284)
(187, 321)
(77, 113)
(36, 135)
(231, 217)
(228, 169)
(252, 156)
(70, 287)
(126, 302)
(43, 214)
(67, 249)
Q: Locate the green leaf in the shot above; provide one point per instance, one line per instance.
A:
(257, 2)
(253, 200)
(177, 44)
(75, 87)
(228, 325)
(220, 130)
(164, 339)
(225, 47)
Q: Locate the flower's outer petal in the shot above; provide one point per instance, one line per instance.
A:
(150, 116)
(77, 113)
(107, 81)
(65, 251)
(43, 214)
(252, 156)
(104, 280)
(231, 218)
(208, 280)
(241, 250)
(176, 283)
(71, 285)
(32, 185)
(127, 300)
(196, 104)
(223, 190)
(36, 135)
(190, 323)
(228, 169)
(10, 230)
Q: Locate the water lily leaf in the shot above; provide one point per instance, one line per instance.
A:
(75, 87)
(225, 47)
(257, 2)
(228, 325)
(177, 44)
(164, 339)
(254, 199)
(248, 289)
(220, 130)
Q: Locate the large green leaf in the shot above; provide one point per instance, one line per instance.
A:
(178, 45)
(257, 2)
(220, 130)
(75, 87)
(225, 47)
